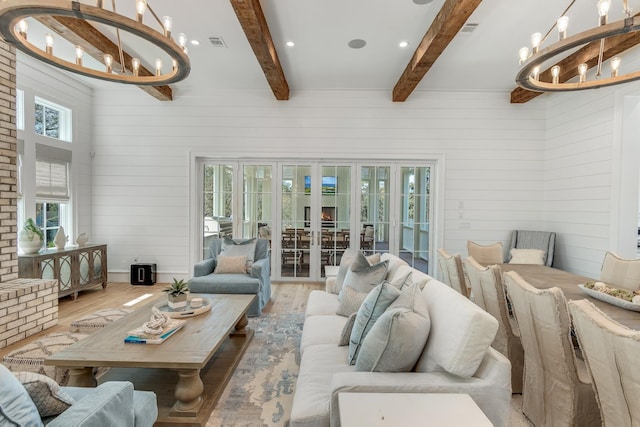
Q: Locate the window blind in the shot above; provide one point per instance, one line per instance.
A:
(52, 173)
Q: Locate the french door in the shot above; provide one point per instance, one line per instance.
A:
(311, 211)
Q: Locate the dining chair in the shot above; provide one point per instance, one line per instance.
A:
(611, 353)
(543, 240)
(488, 293)
(486, 254)
(452, 272)
(621, 272)
(557, 389)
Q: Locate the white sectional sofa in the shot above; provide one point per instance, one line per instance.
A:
(457, 357)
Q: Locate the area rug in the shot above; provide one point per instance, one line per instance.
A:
(260, 392)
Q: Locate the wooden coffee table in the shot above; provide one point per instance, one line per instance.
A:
(188, 372)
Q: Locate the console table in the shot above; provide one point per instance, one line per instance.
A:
(75, 268)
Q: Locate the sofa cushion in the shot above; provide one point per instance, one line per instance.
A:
(45, 393)
(313, 387)
(16, 407)
(245, 247)
(345, 264)
(321, 303)
(461, 332)
(231, 264)
(322, 330)
(397, 339)
(400, 276)
(376, 302)
(417, 278)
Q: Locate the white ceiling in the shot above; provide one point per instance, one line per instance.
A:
(484, 60)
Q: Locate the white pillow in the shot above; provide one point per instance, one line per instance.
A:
(527, 256)
(246, 248)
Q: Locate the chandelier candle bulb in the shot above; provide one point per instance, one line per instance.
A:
(141, 6)
(135, 66)
(582, 71)
(563, 23)
(535, 73)
(108, 61)
(615, 65)
(536, 39)
(158, 67)
(524, 54)
(79, 53)
(555, 74)
(182, 40)
(167, 23)
(48, 39)
(603, 10)
(23, 27)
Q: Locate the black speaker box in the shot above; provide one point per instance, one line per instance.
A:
(143, 274)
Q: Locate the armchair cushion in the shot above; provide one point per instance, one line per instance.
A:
(16, 407)
(231, 264)
(45, 393)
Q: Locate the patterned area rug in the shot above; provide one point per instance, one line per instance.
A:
(260, 392)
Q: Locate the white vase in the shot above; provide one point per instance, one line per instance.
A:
(82, 239)
(61, 239)
(29, 244)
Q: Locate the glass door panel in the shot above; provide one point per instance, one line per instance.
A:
(415, 207)
(256, 207)
(295, 242)
(375, 208)
(217, 206)
(334, 214)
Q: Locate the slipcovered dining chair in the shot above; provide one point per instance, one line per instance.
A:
(543, 240)
(452, 272)
(611, 353)
(557, 389)
(488, 293)
(486, 254)
(621, 272)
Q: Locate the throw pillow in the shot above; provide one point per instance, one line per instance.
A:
(16, 407)
(396, 340)
(376, 302)
(364, 280)
(527, 256)
(351, 301)
(246, 248)
(346, 330)
(345, 263)
(45, 393)
(231, 264)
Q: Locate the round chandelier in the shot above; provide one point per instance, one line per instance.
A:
(530, 77)
(123, 68)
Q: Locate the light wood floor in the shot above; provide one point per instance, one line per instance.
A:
(284, 298)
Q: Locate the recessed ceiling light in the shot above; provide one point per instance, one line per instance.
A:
(403, 43)
(195, 42)
(357, 44)
(290, 44)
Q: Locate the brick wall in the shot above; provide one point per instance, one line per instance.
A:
(8, 168)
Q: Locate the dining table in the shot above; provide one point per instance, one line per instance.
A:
(543, 277)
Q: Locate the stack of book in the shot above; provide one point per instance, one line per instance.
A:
(138, 336)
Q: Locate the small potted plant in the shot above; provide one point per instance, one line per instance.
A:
(30, 238)
(177, 294)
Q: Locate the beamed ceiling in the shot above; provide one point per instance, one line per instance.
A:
(453, 45)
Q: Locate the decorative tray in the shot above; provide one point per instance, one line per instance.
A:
(618, 302)
(187, 311)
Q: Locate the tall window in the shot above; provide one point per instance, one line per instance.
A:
(52, 120)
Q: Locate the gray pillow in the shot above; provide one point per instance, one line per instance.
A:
(374, 305)
(345, 264)
(346, 330)
(396, 340)
(246, 248)
(351, 301)
(364, 280)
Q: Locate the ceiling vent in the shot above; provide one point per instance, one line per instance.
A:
(469, 28)
(217, 41)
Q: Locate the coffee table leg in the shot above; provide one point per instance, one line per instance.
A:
(241, 326)
(82, 377)
(188, 394)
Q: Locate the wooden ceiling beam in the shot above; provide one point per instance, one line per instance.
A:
(95, 44)
(254, 24)
(588, 54)
(445, 27)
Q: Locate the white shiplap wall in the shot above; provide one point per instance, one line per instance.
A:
(493, 154)
(37, 80)
(583, 191)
